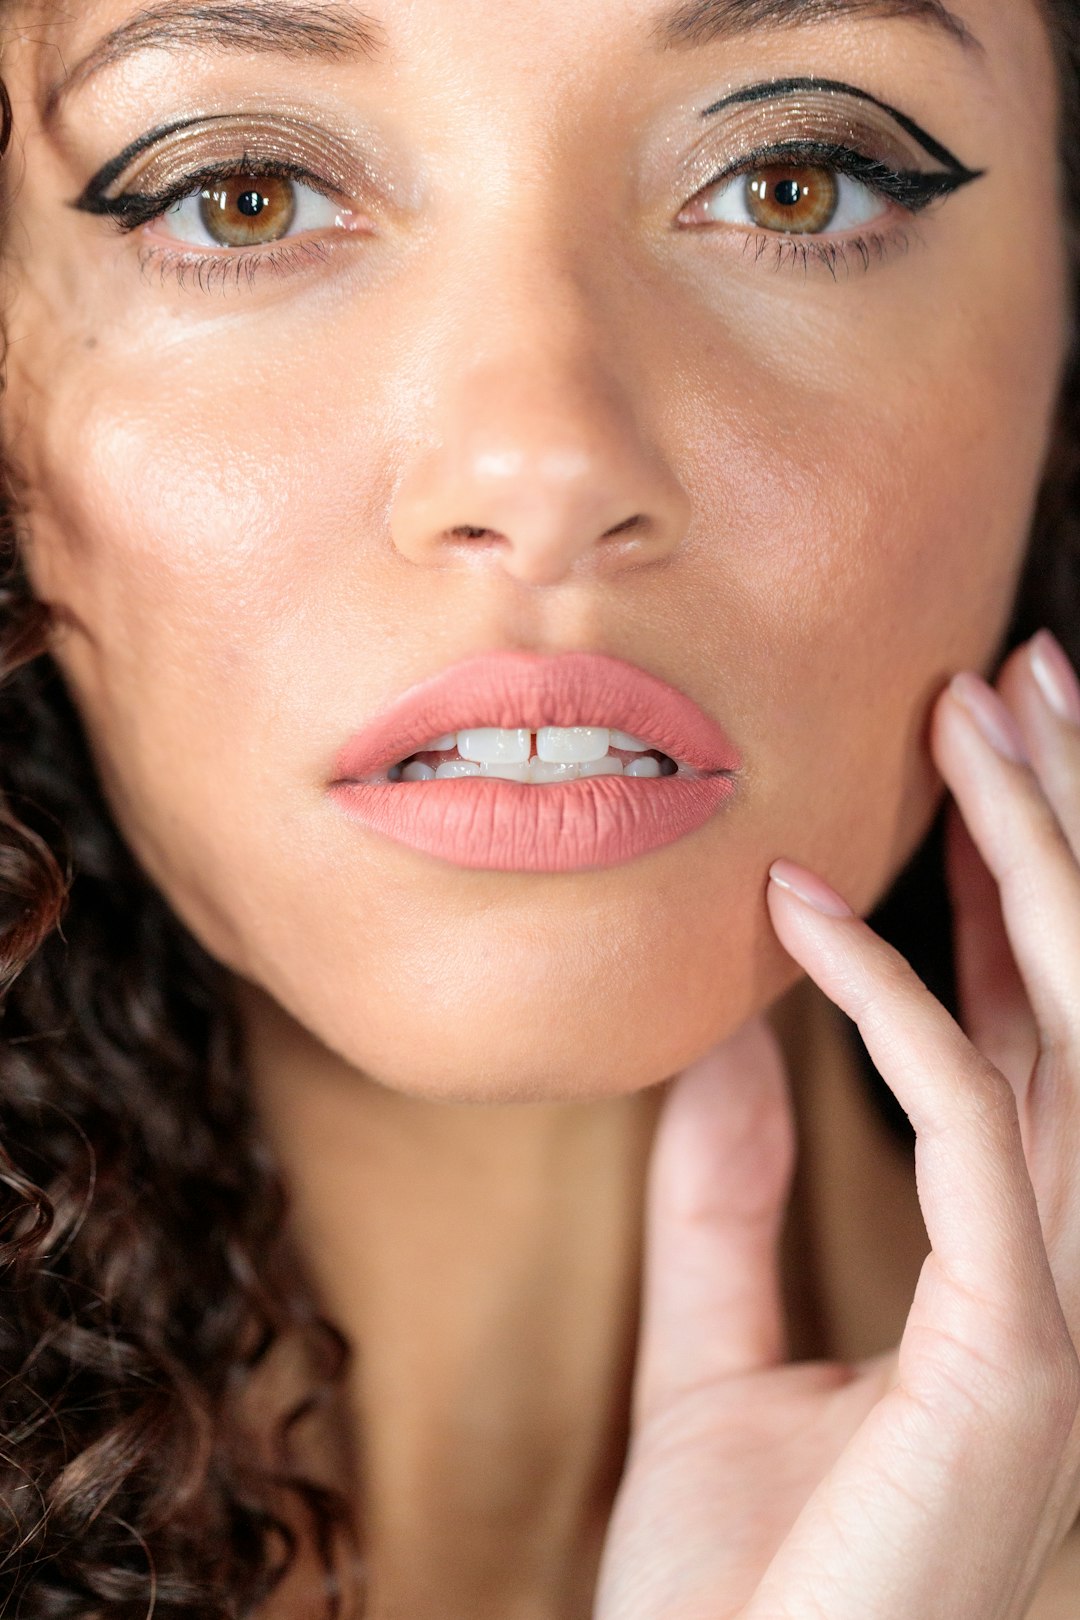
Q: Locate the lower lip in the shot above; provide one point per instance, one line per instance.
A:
(494, 825)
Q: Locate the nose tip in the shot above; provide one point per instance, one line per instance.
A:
(547, 471)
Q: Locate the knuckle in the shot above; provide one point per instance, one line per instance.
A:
(1067, 1381)
(993, 1096)
(988, 1097)
(1046, 1396)
(1047, 833)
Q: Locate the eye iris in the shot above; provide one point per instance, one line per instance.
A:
(247, 210)
(796, 199)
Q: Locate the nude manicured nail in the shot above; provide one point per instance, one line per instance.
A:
(991, 716)
(1056, 676)
(809, 888)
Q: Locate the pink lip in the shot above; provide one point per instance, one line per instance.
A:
(495, 825)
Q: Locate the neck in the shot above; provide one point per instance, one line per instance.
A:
(483, 1261)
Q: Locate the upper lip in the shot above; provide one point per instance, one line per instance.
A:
(512, 689)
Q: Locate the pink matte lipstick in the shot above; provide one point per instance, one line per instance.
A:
(488, 823)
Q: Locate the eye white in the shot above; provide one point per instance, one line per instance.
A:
(856, 205)
(313, 211)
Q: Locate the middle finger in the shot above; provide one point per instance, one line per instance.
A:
(979, 750)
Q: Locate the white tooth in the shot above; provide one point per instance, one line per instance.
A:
(608, 766)
(417, 772)
(457, 767)
(546, 771)
(490, 745)
(646, 766)
(628, 744)
(563, 745)
(445, 744)
(508, 773)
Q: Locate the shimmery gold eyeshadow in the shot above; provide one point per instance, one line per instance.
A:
(824, 117)
(207, 143)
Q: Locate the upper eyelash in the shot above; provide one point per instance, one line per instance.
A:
(912, 189)
(132, 209)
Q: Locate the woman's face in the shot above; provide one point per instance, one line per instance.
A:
(510, 294)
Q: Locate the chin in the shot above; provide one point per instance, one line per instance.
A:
(538, 1025)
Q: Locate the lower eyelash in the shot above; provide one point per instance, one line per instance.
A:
(845, 254)
(217, 273)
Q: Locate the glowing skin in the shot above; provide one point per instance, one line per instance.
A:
(250, 582)
(243, 499)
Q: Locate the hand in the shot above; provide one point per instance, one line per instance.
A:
(939, 1481)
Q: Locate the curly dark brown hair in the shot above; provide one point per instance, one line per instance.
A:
(146, 1280)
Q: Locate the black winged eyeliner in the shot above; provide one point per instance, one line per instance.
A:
(772, 89)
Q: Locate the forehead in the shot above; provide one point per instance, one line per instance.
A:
(999, 47)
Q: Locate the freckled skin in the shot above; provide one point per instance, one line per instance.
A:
(241, 498)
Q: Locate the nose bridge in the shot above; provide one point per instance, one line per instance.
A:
(537, 442)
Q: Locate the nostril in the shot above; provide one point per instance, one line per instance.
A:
(634, 522)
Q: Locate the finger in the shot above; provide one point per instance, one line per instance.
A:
(997, 1017)
(993, 1003)
(1020, 838)
(1037, 685)
(977, 1199)
(718, 1182)
(988, 1378)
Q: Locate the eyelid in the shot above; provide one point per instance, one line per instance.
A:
(812, 113)
(160, 162)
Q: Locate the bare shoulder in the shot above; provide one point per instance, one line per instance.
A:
(1059, 1595)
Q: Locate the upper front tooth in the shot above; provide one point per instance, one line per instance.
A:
(495, 745)
(490, 745)
(628, 744)
(564, 745)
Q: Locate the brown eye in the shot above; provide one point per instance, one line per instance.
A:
(792, 198)
(248, 210)
(788, 199)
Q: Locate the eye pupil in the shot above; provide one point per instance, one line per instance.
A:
(251, 203)
(788, 193)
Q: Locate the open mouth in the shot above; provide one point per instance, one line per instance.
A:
(545, 757)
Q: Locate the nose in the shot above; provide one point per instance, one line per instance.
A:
(537, 457)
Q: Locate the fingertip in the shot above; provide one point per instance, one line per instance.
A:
(808, 888)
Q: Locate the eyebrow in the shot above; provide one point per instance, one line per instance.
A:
(703, 22)
(277, 27)
(336, 29)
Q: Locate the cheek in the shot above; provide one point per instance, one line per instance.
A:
(191, 544)
(867, 517)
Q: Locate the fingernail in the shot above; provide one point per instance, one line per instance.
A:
(1056, 676)
(991, 716)
(809, 888)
